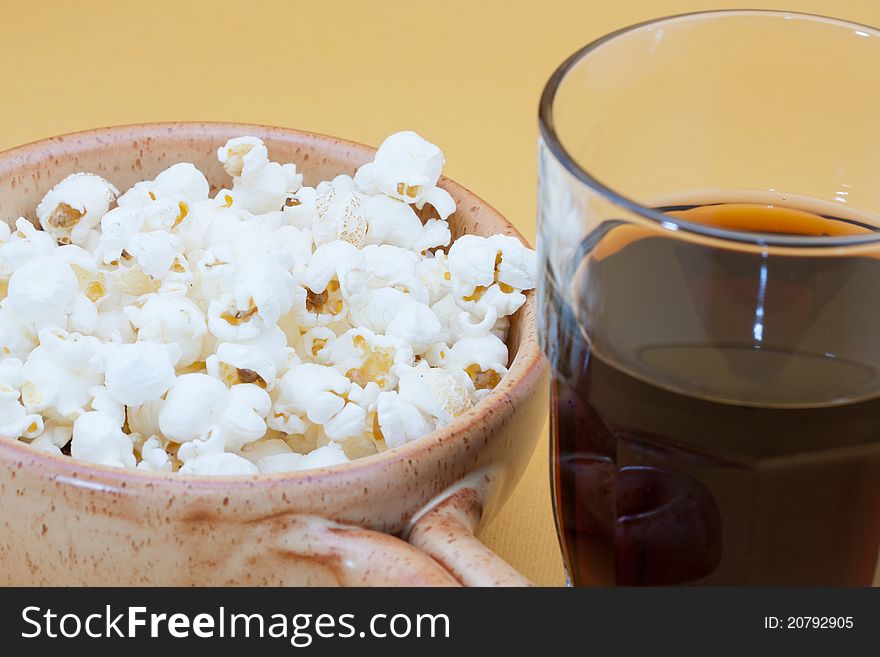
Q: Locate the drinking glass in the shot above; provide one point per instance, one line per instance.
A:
(709, 199)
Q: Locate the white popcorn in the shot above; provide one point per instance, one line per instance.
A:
(182, 181)
(263, 448)
(287, 423)
(11, 377)
(491, 272)
(378, 308)
(322, 457)
(179, 182)
(350, 421)
(171, 318)
(192, 226)
(54, 433)
(239, 363)
(225, 227)
(155, 251)
(433, 274)
(407, 167)
(23, 244)
(103, 401)
(340, 213)
(313, 341)
(487, 352)
(16, 422)
(399, 420)
(128, 282)
(16, 337)
(144, 419)
(392, 222)
(180, 277)
(154, 458)
(282, 462)
(241, 415)
(44, 443)
(58, 375)
(73, 207)
(300, 208)
(295, 243)
(261, 292)
(118, 228)
(415, 324)
(439, 393)
(311, 391)
(44, 292)
(434, 233)
(220, 464)
(259, 185)
(364, 357)
(365, 396)
(138, 372)
(207, 457)
(391, 266)
(198, 404)
(99, 439)
(335, 260)
(243, 156)
(191, 407)
(272, 328)
(272, 346)
(483, 359)
(234, 319)
(333, 282)
(91, 282)
(472, 263)
(243, 240)
(437, 355)
(114, 326)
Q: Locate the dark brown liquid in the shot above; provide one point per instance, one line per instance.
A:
(716, 412)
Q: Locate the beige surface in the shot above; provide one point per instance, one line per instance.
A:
(466, 74)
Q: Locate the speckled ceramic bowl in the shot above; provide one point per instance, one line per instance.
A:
(405, 516)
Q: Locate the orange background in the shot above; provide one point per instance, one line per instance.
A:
(465, 74)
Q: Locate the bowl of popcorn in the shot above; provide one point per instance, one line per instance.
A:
(238, 354)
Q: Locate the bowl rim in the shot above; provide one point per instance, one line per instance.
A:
(528, 363)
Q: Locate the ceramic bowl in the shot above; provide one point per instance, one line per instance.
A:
(406, 516)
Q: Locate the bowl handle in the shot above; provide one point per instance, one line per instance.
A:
(441, 549)
(351, 555)
(446, 533)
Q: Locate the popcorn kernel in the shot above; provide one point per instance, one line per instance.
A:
(64, 217)
(405, 190)
(241, 316)
(184, 210)
(375, 366)
(231, 375)
(477, 294)
(483, 379)
(328, 302)
(95, 291)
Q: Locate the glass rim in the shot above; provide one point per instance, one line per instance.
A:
(551, 139)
